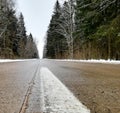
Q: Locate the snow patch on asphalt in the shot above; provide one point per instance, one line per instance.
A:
(94, 61)
(15, 60)
(57, 97)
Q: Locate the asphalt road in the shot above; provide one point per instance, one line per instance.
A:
(97, 86)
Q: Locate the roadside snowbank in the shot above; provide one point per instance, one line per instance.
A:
(15, 60)
(94, 61)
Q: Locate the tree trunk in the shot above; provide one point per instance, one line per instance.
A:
(109, 47)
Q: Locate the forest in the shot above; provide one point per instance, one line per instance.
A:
(84, 29)
(14, 41)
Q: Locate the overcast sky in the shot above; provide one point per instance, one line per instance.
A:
(37, 15)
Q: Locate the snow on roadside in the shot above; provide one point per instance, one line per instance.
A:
(15, 60)
(57, 98)
(94, 61)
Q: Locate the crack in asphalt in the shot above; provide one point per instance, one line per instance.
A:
(29, 90)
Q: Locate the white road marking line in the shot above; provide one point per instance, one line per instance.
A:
(57, 97)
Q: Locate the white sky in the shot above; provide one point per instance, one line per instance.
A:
(37, 15)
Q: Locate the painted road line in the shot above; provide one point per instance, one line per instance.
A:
(56, 96)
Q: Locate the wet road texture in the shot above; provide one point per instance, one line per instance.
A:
(96, 85)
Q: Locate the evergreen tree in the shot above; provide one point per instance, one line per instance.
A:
(13, 38)
(31, 49)
(91, 32)
(21, 35)
(93, 18)
(61, 31)
(7, 29)
(55, 41)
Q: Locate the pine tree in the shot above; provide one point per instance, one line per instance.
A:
(21, 35)
(31, 49)
(90, 29)
(55, 41)
(7, 28)
(61, 30)
(13, 38)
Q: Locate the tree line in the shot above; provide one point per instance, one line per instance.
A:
(84, 29)
(14, 42)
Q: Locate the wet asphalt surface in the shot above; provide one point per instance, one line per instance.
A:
(96, 85)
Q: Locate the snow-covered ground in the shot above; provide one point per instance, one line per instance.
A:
(90, 61)
(15, 60)
(94, 61)
(56, 98)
